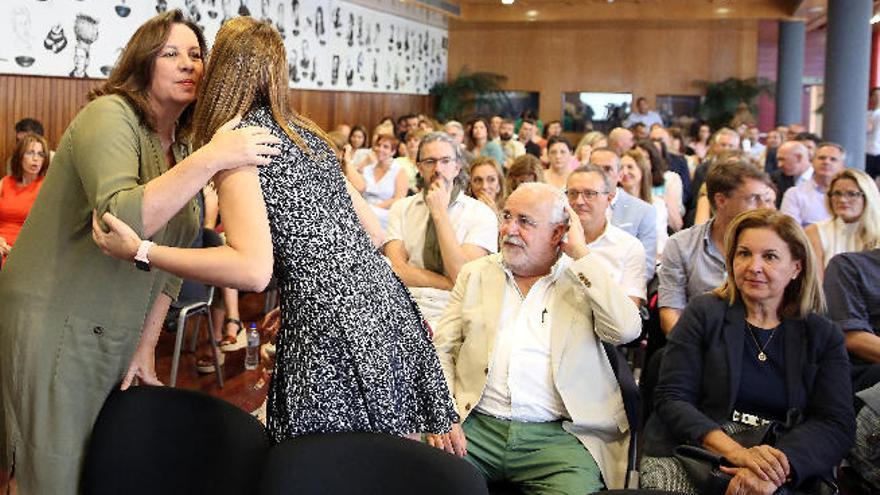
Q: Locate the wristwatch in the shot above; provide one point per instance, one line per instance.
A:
(140, 258)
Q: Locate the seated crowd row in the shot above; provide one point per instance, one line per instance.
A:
(526, 255)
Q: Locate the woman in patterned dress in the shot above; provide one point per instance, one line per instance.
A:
(353, 353)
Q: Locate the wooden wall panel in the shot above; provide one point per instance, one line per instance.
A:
(55, 101)
(645, 58)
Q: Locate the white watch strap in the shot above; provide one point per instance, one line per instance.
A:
(142, 251)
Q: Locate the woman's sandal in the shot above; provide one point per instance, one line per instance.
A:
(230, 342)
(205, 364)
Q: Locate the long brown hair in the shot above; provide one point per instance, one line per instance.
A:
(248, 64)
(18, 155)
(134, 70)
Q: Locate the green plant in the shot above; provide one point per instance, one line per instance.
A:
(455, 99)
(722, 98)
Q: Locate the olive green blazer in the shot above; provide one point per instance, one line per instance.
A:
(70, 317)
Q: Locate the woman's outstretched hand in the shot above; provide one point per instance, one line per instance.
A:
(232, 148)
(119, 242)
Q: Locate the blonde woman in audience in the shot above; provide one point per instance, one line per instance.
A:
(385, 180)
(854, 225)
(487, 183)
(635, 179)
(559, 154)
(18, 191)
(73, 322)
(353, 352)
(526, 168)
(591, 141)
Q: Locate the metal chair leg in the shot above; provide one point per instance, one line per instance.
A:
(215, 350)
(178, 345)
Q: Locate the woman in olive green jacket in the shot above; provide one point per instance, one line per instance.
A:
(71, 319)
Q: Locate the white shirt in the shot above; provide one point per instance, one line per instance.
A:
(473, 223)
(804, 177)
(520, 384)
(625, 257)
(650, 118)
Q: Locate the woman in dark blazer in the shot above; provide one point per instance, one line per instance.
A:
(755, 349)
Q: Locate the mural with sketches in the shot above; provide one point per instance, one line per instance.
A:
(331, 44)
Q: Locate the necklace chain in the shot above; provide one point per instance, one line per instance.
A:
(762, 356)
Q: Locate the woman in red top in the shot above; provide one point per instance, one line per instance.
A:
(19, 190)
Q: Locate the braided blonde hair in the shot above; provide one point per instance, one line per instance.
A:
(248, 65)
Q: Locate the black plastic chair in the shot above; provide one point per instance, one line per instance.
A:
(366, 464)
(150, 440)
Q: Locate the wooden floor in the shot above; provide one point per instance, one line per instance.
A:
(245, 389)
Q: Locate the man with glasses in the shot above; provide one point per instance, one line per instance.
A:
(806, 201)
(629, 213)
(588, 191)
(433, 233)
(521, 349)
(693, 262)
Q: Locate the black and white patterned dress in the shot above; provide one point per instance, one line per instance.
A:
(353, 353)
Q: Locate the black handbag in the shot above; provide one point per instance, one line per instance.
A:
(704, 467)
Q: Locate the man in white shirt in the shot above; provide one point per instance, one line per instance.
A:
(589, 191)
(643, 115)
(520, 348)
(432, 234)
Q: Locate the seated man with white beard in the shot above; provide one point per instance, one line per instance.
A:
(521, 348)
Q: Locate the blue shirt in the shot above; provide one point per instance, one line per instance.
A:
(691, 266)
(805, 203)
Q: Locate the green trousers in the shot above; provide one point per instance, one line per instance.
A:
(539, 457)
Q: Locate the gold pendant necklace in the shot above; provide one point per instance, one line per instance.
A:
(762, 356)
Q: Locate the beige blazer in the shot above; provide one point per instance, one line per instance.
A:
(587, 306)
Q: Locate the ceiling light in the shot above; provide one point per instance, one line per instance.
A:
(507, 2)
(532, 13)
(722, 11)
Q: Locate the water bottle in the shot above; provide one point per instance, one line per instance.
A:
(252, 358)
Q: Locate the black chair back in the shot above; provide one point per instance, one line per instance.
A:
(150, 440)
(366, 464)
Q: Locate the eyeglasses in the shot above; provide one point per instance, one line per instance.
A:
(589, 194)
(40, 154)
(522, 221)
(846, 194)
(754, 199)
(431, 162)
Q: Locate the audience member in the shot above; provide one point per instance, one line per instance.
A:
(406, 123)
(559, 153)
(19, 189)
(343, 129)
(552, 129)
(692, 261)
(526, 168)
(639, 131)
(479, 143)
(852, 287)
(591, 141)
(588, 190)
(635, 179)
(755, 148)
(726, 372)
(432, 234)
(675, 160)
(806, 202)
(794, 167)
(810, 141)
(24, 127)
(620, 140)
(724, 140)
(456, 132)
(487, 183)
(643, 115)
(854, 225)
(527, 130)
(631, 214)
(495, 127)
(665, 185)
(521, 333)
(408, 161)
(701, 143)
(385, 179)
(769, 160)
(359, 140)
(872, 144)
(511, 147)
